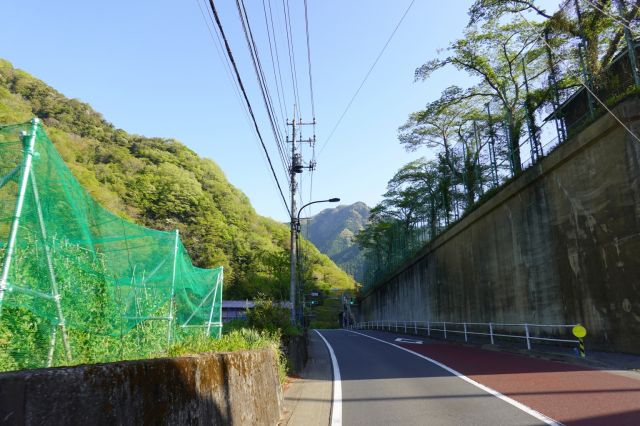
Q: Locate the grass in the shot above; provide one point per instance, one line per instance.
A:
(236, 339)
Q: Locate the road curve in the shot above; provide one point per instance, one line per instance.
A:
(382, 385)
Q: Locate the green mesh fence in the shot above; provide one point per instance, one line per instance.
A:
(80, 284)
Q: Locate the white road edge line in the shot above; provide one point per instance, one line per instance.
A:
(538, 415)
(336, 405)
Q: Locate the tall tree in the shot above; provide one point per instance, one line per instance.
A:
(494, 52)
(451, 125)
(598, 24)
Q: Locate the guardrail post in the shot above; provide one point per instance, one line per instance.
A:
(444, 328)
(465, 332)
(428, 329)
(396, 326)
(491, 332)
(526, 331)
(405, 327)
(415, 327)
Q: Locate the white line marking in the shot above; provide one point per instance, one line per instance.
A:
(336, 405)
(528, 410)
(403, 340)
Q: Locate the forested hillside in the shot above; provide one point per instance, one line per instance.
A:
(333, 232)
(161, 184)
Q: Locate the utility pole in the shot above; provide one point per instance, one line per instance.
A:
(297, 166)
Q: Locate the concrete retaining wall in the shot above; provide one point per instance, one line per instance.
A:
(559, 245)
(222, 389)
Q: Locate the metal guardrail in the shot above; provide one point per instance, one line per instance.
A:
(494, 330)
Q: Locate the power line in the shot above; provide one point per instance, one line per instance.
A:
(306, 25)
(262, 82)
(366, 77)
(227, 66)
(291, 51)
(246, 98)
(274, 49)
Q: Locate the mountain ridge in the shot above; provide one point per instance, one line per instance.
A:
(333, 230)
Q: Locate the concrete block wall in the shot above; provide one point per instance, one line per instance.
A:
(559, 245)
(239, 388)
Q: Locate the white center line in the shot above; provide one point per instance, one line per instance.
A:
(493, 392)
(336, 405)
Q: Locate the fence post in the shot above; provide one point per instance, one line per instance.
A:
(465, 332)
(173, 289)
(52, 274)
(52, 346)
(526, 330)
(631, 48)
(491, 332)
(213, 303)
(444, 328)
(28, 143)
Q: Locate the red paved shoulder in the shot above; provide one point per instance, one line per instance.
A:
(569, 394)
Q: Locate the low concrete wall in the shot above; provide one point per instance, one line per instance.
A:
(559, 245)
(209, 389)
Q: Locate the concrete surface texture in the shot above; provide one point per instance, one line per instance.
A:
(558, 245)
(307, 400)
(209, 389)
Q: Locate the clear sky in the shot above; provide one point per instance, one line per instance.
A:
(152, 68)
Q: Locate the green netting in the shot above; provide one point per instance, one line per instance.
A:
(80, 284)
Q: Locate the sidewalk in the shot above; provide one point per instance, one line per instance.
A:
(307, 400)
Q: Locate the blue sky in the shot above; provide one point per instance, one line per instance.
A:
(152, 68)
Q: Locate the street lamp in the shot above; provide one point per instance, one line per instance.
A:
(330, 200)
(292, 288)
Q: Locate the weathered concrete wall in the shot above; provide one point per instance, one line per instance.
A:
(560, 244)
(230, 388)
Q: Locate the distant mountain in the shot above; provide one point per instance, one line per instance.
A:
(332, 232)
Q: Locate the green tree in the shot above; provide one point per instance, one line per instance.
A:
(493, 52)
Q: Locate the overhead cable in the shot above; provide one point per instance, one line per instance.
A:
(246, 98)
(366, 77)
(262, 83)
(273, 50)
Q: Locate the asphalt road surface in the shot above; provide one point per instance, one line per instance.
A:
(384, 384)
(383, 378)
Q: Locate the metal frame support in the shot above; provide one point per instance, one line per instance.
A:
(52, 275)
(215, 296)
(631, 48)
(585, 75)
(173, 289)
(28, 141)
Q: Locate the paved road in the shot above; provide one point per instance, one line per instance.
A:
(383, 381)
(384, 385)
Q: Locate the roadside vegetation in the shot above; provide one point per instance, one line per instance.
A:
(267, 326)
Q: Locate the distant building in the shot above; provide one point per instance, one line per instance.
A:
(235, 309)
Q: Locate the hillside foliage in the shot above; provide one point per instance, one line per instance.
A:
(333, 231)
(162, 184)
